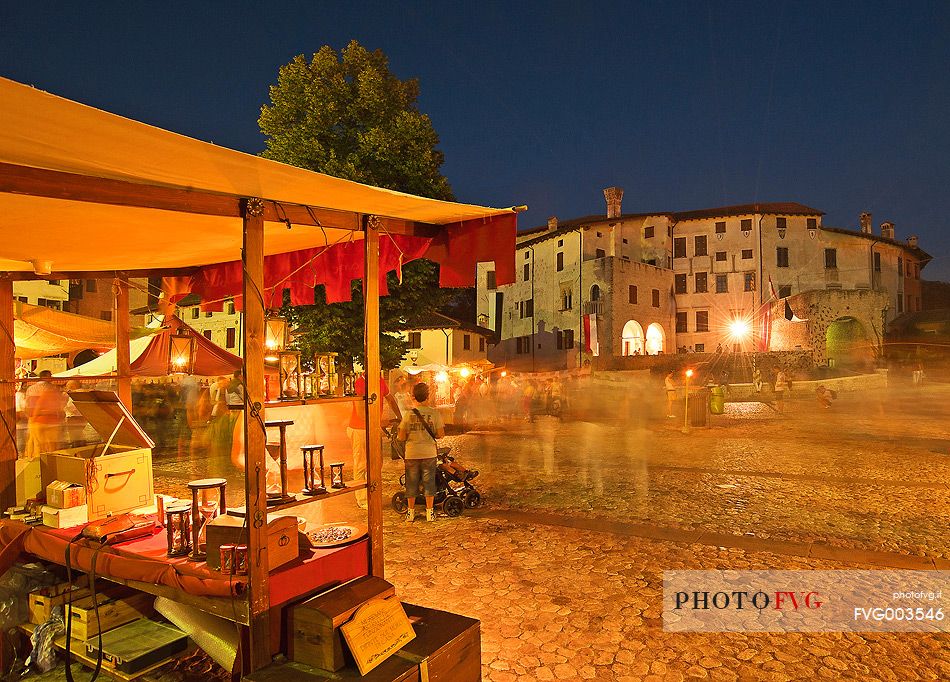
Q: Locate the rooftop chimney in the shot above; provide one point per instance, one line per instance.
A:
(866, 223)
(912, 241)
(887, 229)
(613, 195)
(552, 222)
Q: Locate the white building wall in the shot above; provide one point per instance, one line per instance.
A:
(56, 291)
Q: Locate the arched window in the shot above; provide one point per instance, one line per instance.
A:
(595, 293)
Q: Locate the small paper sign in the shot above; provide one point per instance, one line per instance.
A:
(376, 631)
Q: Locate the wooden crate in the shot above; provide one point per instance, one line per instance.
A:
(117, 606)
(449, 644)
(315, 624)
(42, 602)
(282, 542)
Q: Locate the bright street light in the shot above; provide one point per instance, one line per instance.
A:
(739, 329)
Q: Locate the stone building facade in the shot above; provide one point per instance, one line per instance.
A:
(702, 280)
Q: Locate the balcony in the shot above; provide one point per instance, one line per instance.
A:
(594, 308)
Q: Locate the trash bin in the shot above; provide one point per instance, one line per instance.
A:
(717, 400)
(698, 406)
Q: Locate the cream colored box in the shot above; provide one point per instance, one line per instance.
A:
(29, 483)
(117, 473)
(65, 518)
(65, 495)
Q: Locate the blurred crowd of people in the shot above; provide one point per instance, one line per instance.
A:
(185, 414)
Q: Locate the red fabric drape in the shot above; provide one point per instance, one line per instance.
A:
(461, 246)
(457, 250)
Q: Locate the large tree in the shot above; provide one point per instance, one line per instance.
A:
(347, 115)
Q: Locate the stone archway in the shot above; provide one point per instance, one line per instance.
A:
(632, 339)
(848, 344)
(655, 339)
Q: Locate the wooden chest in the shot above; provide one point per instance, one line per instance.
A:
(117, 606)
(449, 644)
(282, 543)
(315, 624)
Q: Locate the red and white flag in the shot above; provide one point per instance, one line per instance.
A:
(590, 335)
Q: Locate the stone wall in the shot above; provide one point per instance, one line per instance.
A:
(819, 309)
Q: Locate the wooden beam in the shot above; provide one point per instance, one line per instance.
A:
(374, 407)
(255, 474)
(15, 179)
(8, 452)
(120, 316)
(103, 274)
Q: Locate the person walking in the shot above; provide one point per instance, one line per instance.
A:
(670, 383)
(356, 430)
(419, 429)
(46, 409)
(781, 384)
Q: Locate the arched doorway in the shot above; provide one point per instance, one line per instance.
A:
(847, 343)
(632, 340)
(656, 339)
(595, 293)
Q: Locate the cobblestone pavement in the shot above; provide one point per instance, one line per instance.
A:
(564, 603)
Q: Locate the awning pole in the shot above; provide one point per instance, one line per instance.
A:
(8, 452)
(374, 406)
(120, 315)
(255, 477)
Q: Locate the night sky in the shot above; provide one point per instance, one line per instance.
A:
(840, 106)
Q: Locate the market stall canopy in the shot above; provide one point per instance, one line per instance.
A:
(99, 192)
(149, 356)
(39, 332)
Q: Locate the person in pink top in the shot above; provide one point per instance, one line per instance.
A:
(356, 430)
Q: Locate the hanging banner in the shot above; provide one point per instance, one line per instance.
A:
(590, 335)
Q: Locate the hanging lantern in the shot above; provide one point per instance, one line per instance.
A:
(178, 529)
(181, 353)
(275, 334)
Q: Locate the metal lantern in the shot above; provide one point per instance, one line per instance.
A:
(275, 334)
(178, 529)
(181, 353)
(203, 511)
(288, 371)
(311, 484)
(336, 475)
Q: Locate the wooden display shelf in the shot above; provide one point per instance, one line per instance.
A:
(314, 401)
(78, 652)
(301, 499)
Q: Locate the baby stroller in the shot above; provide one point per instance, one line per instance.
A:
(453, 488)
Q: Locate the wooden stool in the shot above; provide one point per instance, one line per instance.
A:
(197, 522)
(310, 485)
(281, 425)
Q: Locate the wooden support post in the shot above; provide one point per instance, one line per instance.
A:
(374, 403)
(120, 315)
(255, 475)
(8, 453)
